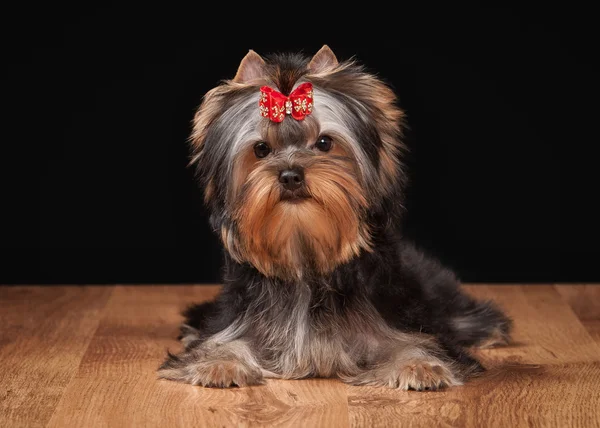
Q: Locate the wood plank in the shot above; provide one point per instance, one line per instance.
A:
(585, 302)
(44, 334)
(546, 329)
(512, 396)
(547, 377)
(116, 384)
(53, 374)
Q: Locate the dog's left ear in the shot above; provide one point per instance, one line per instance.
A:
(323, 60)
(251, 68)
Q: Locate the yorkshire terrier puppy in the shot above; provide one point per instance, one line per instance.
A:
(300, 160)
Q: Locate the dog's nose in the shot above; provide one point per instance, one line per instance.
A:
(291, 178)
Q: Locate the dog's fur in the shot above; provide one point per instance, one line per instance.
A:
(321, 284)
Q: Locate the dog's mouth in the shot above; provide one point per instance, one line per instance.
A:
(295, 196)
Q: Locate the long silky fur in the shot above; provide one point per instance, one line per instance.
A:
(327, 287)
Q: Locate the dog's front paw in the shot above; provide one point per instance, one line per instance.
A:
(424, 376)
(198, 370)
(418, 375)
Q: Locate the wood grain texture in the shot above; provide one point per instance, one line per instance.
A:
(87, 357)
(508, 396)
(585, 302)
(548, 376)
(44, 332)
(117, 386)
(546, 331)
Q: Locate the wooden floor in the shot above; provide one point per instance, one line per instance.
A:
(86, 357)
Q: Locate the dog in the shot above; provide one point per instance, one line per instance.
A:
(300, 160)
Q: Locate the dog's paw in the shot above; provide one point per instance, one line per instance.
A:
(210, 373)
(412, 375)
(424, 376)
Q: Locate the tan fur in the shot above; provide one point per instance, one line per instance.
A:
(390, 128)
(231, 244)
(324, 60)
(242, 168)
(390, 122)
(318, 72)
(285, 79)
(210, 108)
(208, 191)
(274, 233)
(218, 365)
(251, 68)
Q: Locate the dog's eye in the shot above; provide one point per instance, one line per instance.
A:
(324, 143)
(261, 149)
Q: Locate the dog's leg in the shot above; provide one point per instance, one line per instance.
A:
(457, 316)
(214, 364)
(193, 329)
(197, 315)
(408, 364)
(480, 324)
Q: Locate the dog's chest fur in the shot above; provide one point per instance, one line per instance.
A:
(312, 332)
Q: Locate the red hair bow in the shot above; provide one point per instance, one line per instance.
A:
(276, 106)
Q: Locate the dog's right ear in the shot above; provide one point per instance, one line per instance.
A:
(251, 68)
(323, 60)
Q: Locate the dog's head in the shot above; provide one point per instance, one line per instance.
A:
(296, 155)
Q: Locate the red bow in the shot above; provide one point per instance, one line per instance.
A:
(275, 105)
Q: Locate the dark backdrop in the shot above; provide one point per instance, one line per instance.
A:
(98, 102)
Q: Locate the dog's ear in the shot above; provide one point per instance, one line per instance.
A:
(251, 68)
(323, 60)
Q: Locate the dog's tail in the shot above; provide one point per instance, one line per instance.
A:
(483, 325)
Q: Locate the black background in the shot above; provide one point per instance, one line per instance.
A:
(98, 102)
